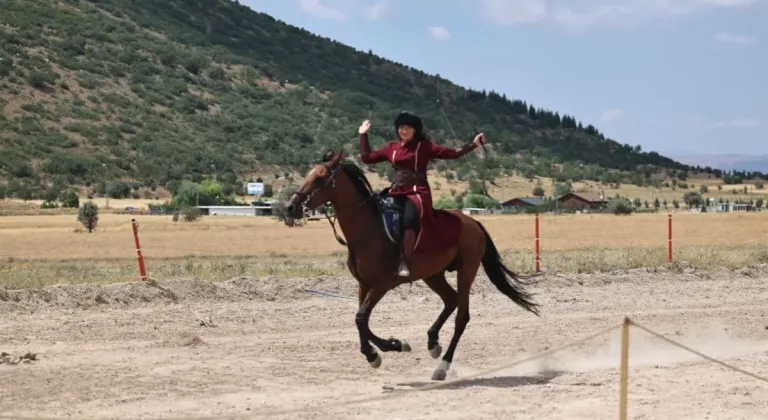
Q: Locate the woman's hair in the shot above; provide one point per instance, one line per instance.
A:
(420, 135)
(413, 121)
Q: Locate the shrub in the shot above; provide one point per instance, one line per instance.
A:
(191, 214)
(69, 199)
(619, 206)
(692, 199)
(88, 215)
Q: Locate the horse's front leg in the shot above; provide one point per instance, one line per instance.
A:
(362, 319)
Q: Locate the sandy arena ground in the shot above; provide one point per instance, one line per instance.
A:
(240, 348)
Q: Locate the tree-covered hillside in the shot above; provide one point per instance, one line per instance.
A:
(120, 94)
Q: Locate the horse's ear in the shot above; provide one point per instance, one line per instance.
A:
(336, 159)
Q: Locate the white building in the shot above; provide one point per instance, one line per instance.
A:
(236, 210)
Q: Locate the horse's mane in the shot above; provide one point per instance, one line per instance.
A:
(360, 181)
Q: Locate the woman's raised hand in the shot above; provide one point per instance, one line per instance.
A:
(364, 127)
(479, 139)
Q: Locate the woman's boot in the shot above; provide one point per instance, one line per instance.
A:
(409, 240)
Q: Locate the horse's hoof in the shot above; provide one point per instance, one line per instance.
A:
(376, 363)
(441, 372)
(405, 347)
(439, 375)
(435, 352)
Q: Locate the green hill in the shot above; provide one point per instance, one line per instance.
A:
(120, 94)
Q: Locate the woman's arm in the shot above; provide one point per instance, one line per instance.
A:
(368, 156)
(448, 153)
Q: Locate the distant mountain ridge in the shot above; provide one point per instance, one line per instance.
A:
(725, 162)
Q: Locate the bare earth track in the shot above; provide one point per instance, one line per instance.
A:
(246, 346)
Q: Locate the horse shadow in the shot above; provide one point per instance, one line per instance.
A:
(500, 382)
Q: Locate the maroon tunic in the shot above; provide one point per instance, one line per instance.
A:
(438, 229)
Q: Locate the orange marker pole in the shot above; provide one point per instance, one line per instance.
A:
(669, 238)
(139, 257)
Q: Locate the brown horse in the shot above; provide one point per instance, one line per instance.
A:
(373, 256)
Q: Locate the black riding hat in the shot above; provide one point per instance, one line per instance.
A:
(411, 120)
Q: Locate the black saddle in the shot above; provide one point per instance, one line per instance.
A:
(391, 209)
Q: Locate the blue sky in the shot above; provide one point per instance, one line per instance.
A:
(669, 75)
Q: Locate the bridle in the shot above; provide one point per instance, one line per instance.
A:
(324, 182)
(318, 184)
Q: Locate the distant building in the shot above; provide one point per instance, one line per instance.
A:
(732, 207)
(257, 209)
(472, 211)
(742, 207)
(582, 201)
(523, 202)
(229, 210)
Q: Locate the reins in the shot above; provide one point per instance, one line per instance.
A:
(485, 151)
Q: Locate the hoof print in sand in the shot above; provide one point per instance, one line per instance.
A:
(9, 359)
(183, 340)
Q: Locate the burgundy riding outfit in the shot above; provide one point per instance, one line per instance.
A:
(438, 230)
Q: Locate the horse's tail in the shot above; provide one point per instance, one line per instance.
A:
(503, 278)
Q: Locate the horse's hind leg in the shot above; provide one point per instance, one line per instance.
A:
(439, 285)
(466, 276)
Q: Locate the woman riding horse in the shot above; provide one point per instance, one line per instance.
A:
(410, 157)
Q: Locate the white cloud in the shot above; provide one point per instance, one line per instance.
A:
(439, 33)
(731, 3)
(739, 123)
(511, 12)
(321, 11)
(382, 9)
(622, 13)
(612, 114)
(724, 38)
(582, 14)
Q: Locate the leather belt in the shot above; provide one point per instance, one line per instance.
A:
(408, 178)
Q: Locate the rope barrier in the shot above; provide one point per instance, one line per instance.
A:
(318, 292)
(697, 353)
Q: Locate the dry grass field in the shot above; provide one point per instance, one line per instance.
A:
(41, 250)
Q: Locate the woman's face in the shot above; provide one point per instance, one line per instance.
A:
(405, 132)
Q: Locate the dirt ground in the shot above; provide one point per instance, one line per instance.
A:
(247, 347)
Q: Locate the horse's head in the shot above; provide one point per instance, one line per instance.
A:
(316, 189)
